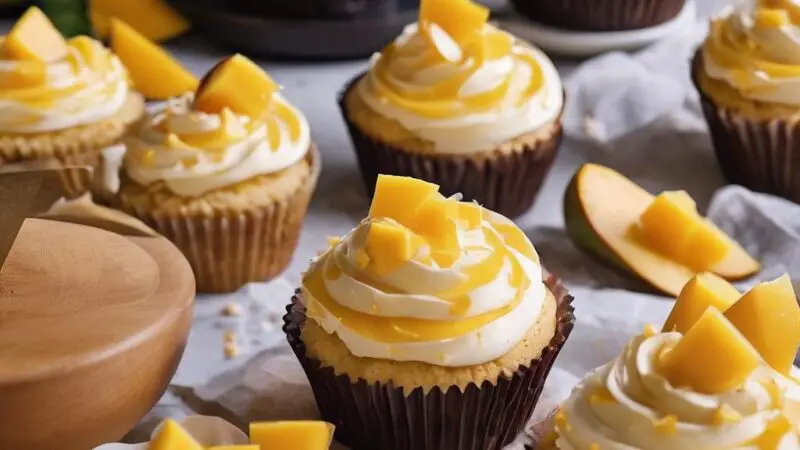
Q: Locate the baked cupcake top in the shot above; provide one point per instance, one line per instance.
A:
(426, 278)
(235, 127)
(460, 83)
(49, 84)
(755, 49)
(718, 386)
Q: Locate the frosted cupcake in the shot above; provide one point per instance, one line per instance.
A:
(459, 103)
(600, 15)
(61, 102)
(429, 326)
(748, 76)
(226, 176)
(719, 378)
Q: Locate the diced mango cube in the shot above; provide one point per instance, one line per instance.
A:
(437, 223)
(153, 71)
(35, 38)
(297, 435)
(173, 437)
(389, 246)
(713, 357)
(707, 246)
(769, 317)
(461, 19)
(471, 213)
(700, 292)
(400, 198)
(236, 83)
(154, 19)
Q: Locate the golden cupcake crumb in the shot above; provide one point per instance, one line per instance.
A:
(232, 309)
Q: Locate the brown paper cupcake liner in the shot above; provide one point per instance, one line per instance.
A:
(762, 155)
(485, 416)
(600, 15)
(227, 250)
(505, 182)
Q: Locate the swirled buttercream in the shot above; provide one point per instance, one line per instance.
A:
(755, 48)
(194, 152)
(463, 97)
(87, 86)
(449, 309)
(628, 404)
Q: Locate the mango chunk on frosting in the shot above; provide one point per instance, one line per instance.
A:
(769, 317)
(703, 291)
(173, 437)
(236, 83)
(35, 38)
(299, 435)
(393, 191)
(461, 19)
(712, 357)
(153, 71)
(389, 246)
(672, 226)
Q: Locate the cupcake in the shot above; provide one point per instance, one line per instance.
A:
(708, 380)
(61, 102)
(226, 176)
(459, 103)
(429, 326)
(600, 15)
(748, 76)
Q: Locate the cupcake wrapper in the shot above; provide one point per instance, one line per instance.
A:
(600, 15)
(507, 183)
(377, 415)
(762, 155)
(229, 249)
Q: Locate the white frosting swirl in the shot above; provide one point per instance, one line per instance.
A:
(88, 86)
(373, 315)
(194, 152)
(620, 406)
(755, 48)
(411, 66)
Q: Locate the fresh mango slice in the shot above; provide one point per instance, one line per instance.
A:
(602, 207)
(713, 357)
(389, 246)
(236, 83)
(154, 19)
(400, 198)
(298, 435)
(769, 317)
(173, 437)
(700, 292)
(35, 38)
(153, 71)
(461, 19)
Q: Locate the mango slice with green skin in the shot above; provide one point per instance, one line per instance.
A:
(602, 207)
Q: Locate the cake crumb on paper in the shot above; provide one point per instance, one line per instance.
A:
(231, 350)
(232, 309)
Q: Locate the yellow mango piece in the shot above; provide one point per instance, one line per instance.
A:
(236, 83)
(152, 70)
(471, 213)
(771, 18)
(461, 19)
(400, 198)
(712, 357)
(296, 435)
(154, 19)
(388, 247)
(235, 447)
(769, 317)
(437, 223)
(707, 246)
(173, 437)
(702, 291)
(28, 74)
(35, 38)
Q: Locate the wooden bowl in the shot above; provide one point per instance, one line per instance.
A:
(92, 327)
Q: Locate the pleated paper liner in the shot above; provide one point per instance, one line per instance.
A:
(760, 154)
(600, 15)
(504, 182)
(228, 250)
(486, 416)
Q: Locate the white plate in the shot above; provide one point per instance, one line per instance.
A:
(588, 43)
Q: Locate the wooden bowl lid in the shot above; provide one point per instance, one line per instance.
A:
(92, 326)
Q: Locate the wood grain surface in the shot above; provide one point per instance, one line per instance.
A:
(92, 327)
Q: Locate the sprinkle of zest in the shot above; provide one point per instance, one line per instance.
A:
(725, 415)
(561, 421)
(666, 425)
(649, 330)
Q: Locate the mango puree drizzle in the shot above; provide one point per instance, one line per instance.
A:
(401, 329)
(442, 100)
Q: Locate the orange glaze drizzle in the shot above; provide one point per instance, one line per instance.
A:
(443, 100)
